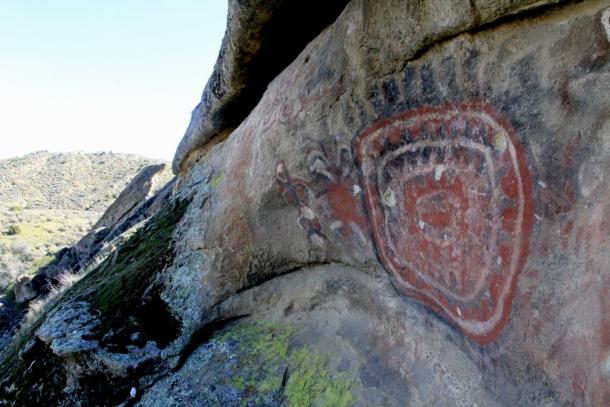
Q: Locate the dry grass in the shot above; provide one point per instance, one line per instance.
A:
(40, 306)
(40, 233)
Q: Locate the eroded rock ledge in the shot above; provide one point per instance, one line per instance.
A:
(262, 38)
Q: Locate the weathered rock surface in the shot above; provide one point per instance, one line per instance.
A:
(134, 195)
(262, 37)
(414, 213)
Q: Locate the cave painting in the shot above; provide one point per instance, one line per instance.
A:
(447, 197)
(296, 192)
(331, 197)
(447, 193)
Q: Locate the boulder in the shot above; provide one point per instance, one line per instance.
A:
(141, 187)
(458, 157)
(23, 289)
(415, 212)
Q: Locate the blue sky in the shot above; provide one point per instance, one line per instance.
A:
(110, 75)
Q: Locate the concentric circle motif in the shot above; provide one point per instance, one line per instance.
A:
(448, 196)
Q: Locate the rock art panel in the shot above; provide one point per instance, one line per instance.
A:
(296, 192)
(448, 198)
(330, 197)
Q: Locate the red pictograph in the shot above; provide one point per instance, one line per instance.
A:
(448, 198)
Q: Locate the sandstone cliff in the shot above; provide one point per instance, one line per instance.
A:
(411, 211)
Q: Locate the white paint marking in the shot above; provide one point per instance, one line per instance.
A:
(455, 252)
(500, 142)
(357, 189)
(336, 225)
(606, 367)
(438, 172)
(590, 177)
(317, 240)
(308, 213)
(475, 192)
(542, 184)
(389, 199)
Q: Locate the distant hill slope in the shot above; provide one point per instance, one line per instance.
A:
(49, 200)
(67, 181)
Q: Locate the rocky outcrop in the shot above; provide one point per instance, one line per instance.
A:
(135, 194)
(140, 200)
(262, 37)
(414, 213)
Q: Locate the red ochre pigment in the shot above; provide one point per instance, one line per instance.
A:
(448, 196)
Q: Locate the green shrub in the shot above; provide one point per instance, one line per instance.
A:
(13, 229)
(15, 208)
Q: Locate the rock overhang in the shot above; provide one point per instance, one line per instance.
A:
(261, 39)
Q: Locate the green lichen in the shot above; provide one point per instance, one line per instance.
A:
(217, 179)
(263, 350)
(238, 382)
(265, 339)
(310, 383)
(264, 360)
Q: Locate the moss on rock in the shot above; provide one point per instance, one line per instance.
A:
(123, 289)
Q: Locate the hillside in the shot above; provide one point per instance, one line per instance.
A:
(49, 200)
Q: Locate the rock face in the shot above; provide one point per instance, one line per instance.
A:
(135, 194)
(415, 212)
(262, 37)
